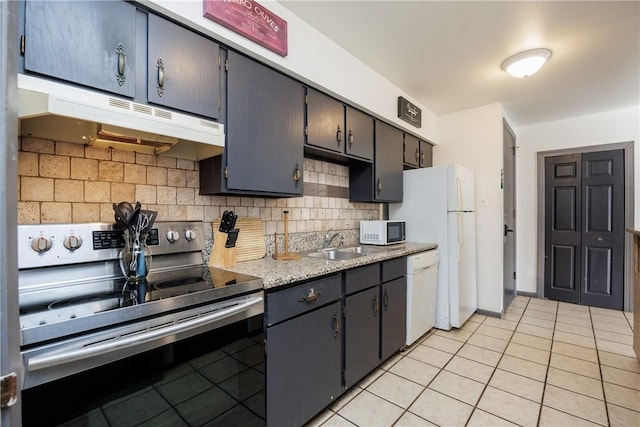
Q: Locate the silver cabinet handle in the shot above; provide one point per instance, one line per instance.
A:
(336, 324)
(339, 136)
(350, 138)
(296, 175)
(160, 87)
(122, 56)
(311, 296)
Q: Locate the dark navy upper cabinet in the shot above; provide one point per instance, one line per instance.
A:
(336, 131)
(359, 128)
(325, 121)
(417, 153)
(411, 156)
(183, 69)
(88, 43)
(382, 181)
(426, 154)
(264, 130)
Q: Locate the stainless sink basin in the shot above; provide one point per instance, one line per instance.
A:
(335, 255)
(363, 250)
(349, 252)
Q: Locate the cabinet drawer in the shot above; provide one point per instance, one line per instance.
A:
(394, 268)
(361, 278)
(282, 305)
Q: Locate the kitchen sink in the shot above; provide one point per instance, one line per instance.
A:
(335, 255)
(363, 250)
(349, 252)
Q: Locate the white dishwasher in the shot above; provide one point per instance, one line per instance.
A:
(422, 279)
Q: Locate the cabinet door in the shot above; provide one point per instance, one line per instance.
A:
(359, 127)
(426, 154)
(303, 366)
(264, 129)
(388, 163)
(182, 69)
(394, 316)
(325, 121)
(362, 334)
(411, 150)
(89, 43)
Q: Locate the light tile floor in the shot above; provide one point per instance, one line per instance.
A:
(544, 363)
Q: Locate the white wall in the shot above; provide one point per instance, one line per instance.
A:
(473, 138)
(603, 128)
(312, 58)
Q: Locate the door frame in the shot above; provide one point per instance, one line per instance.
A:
(628, 148)
(506, 197)
(10, 360)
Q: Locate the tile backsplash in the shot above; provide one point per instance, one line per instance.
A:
(62, 182)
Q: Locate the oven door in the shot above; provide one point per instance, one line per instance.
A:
(59, 359)
(214, 377)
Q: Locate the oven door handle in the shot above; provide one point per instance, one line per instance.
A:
(50, 360)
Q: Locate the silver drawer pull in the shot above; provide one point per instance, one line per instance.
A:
(311, 296)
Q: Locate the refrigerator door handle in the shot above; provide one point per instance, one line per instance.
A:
(459, 199)
(460, 224)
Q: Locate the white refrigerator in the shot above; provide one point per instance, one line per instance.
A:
(438, 205)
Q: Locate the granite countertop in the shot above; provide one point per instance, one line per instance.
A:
(278, 273)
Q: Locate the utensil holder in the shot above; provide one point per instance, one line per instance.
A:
(135, 257)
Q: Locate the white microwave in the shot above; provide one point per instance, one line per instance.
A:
(383, 232)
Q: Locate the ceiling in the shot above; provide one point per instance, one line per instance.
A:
(447, 54)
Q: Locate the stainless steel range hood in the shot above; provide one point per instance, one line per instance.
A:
(60, 112)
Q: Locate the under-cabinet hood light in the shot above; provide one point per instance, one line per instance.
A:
(61, 112)
(526, 63)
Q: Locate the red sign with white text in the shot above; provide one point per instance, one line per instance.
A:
(252, 20)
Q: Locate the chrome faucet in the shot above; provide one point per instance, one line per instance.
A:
(328, 238)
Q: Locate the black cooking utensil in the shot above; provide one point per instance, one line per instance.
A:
(123, 212)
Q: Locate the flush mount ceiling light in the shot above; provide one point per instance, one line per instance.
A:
(526, 63)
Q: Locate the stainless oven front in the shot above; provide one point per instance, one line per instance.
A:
(80, 319)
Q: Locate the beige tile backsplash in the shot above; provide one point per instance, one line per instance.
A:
(62, 182)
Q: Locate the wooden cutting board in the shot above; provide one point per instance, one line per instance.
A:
(250, 244)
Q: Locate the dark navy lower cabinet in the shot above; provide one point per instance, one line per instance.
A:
(304, 350)
(393, 308)
(325, 335)
(362, 337)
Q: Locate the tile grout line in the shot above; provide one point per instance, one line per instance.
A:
(595, 342)
(574, 373)
(495, 368)
(546, 375)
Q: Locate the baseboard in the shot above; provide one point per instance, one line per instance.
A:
(527, 294)
(489, 313)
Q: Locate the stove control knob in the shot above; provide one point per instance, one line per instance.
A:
(191, 234)
(41, 244)
(72, 242)
(173, 236)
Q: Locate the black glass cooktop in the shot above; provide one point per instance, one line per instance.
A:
(203, 284)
